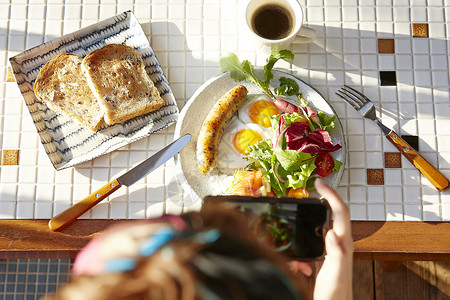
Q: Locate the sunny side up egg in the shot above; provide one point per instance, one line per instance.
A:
(250, 125)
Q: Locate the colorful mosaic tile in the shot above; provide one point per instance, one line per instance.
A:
(9, 75)
(386, 46)
(412, 140)
(420, 30)
(10, 157)
(388, 78)
(392, 160)
(375, 176)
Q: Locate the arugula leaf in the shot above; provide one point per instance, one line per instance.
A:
(273, 58)
(230, 63)
(326, 121)
(288, 87)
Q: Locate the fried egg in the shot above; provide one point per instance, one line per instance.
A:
(257, 109)
(250, 125)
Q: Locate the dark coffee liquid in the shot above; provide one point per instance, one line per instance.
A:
(272, 22)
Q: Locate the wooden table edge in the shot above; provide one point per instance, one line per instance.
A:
(373, 240)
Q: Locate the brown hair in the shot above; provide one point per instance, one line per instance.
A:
(175, 272)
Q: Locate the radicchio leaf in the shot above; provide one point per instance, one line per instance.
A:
(317, 141)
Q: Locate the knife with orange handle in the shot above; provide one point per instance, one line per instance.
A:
(69, 215)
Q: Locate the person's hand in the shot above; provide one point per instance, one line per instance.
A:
(334, 280)
(335, 275)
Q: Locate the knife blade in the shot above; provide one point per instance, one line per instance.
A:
(69, 215)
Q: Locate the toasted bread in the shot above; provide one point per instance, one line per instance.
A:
(62, 86)
(116, 74)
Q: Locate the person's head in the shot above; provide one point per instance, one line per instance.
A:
(209, 254)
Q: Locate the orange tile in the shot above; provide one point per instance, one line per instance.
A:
(420, 30)
(386, 46)
(375, 176)
(392, 160)
(10, 157)
(9, 75)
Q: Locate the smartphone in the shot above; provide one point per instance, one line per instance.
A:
(295, 227)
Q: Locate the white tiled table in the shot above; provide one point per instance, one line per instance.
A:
(188, 37)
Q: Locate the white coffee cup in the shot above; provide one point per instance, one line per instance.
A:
(282, 36)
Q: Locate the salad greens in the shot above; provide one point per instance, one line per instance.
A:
(300, 134)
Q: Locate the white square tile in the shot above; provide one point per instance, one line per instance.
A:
(401, 14)
(43, 210)
(394, 212)
(357, 160)
(63, 193)
(25, 210)
(426, 127)
(438, 47)
(100, 211)
(118, 210)
(375, 194)
(376, 212)
(408, 126)
(64, 176)
(403, 46)
(431, 213)
(443, 143)
(367, 29)
(355, 142)
(427, 143)
(444, 160)
(384, 14)
(352, 62)
(413, 212)
(425, 110)
(440, 78)
(405, 78)
(358, 212)
(402, 29)
(393, 193)
(369, 62)
(366, 14)
(439, 62)
(350, 14)
(411, 176)
(332, 14)
(440, 95)
(442, 110)
(405, 93)
(137, 193)
(407, 110)
(422, 78)
(445, 212)
(374, 160)
(357, 194)
(7, 209)
(392, 177)
(419, 14)
(357, 177)
(386, 62)
(403, 62)
(411, 194)
(155, 210)
(136, 210)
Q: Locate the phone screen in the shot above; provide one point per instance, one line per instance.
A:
(295, 227)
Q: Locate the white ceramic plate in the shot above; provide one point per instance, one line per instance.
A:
(65, 141)
(199, 185)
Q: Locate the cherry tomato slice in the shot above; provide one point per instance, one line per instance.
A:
(298, 193)
(324, 164)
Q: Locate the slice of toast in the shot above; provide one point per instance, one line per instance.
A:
(62, 86)
(117, 76)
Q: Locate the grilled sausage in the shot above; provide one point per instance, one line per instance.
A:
(213, 126)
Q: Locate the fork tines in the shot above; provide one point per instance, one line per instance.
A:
(352, 96)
